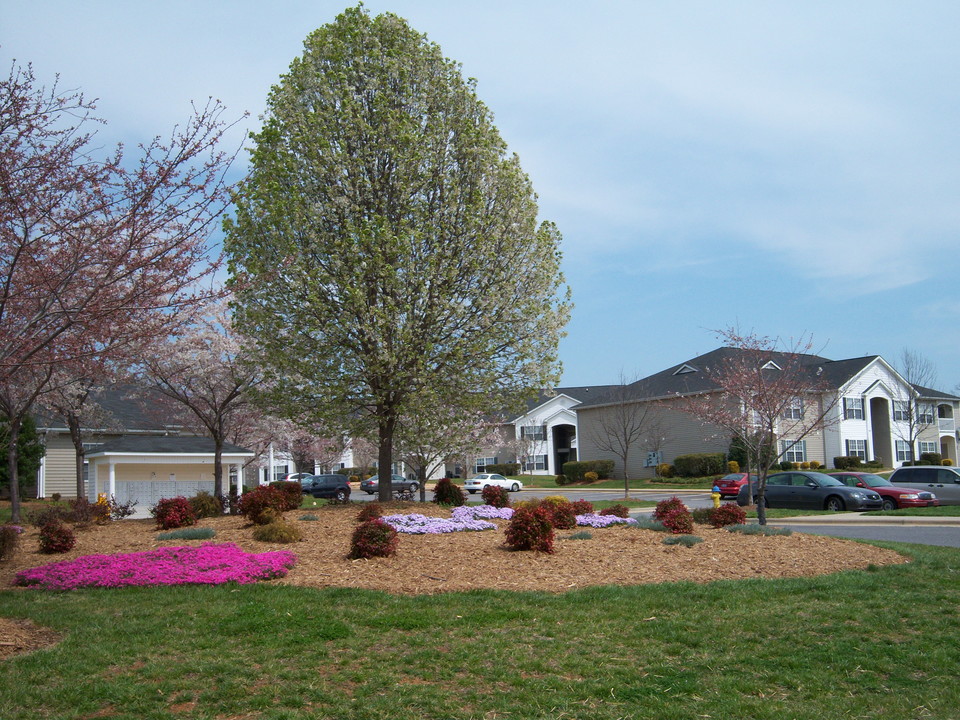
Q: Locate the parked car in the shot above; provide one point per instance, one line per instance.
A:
(939, 479)
(811, 491)
(297, 477)
(730, 484)
(893, 497)
(327, 486)
(479, 482)
(397, 482)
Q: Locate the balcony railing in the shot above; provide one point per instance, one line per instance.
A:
(947, 425)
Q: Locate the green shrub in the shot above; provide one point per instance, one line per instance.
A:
(845, 462)
(560, 479)
(504, 468)
(575, 469)
(9, 540)
(292, 492)
(370, 511)
(699, 464)
(666, 470)
(647, 522)
(701, 516)
(618, 510)
(582, 535)
(194, 533)
(446, 492)
(206, 505)
(173, 513)
(55, 537)
(931, 458)
(279, 531)
(254, 504)
(530, 530)
(355, 474)
(685, 540)
(309, 518)
(786, 465)
(373, 538)
(759, 530)
(496, 496)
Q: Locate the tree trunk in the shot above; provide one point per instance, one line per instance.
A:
(422, 478)
(73, 422)
(385, 458)
(218, 467)
(626, 479)
(14, 437)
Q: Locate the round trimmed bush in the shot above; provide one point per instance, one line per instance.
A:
(253, 504)
(445, 492)
(206, 505)
(373, 538)
(495, 496)
(172, 513)
(278, 531)
(666, 506)
(530, 530)
(679, 521)
(727, 514)
(370, 511)
(618, 510)
(590, 476)
(55, 537)
(582, 507)
(292, 492)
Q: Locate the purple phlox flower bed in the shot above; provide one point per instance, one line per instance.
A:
(16, 528)
(602, 521)
(209, 564)
(417, 524)
(482, 512)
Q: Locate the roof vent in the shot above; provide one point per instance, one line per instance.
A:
(685, 369)
(771, 365)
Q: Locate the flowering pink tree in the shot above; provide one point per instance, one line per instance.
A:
(766, 391)
(97, 253)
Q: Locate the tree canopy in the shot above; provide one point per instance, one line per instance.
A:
(385, 244)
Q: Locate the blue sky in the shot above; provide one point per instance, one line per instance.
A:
(787, 167)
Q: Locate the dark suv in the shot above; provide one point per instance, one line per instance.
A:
(943, 481)
(327, 486)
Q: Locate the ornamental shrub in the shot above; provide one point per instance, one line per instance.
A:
(931, 458)
(530, 530)
(82, 512)
(665, 506)
(192, 533)
(814, 465)
(679, 521)
(309, 517)
(699, 464)
(173, 513)
(575, 469)
(292, 492)
(946, 461)
(805, 465)
(505, 469)
(582, 535)
(206, 505)
(561, 515)
(685, 540)
(590, 476)
(665, 470)
(278, 531)
(119, 510)
(560, 479)
(759, 530)
(701, 516)
(618, 510)
(445, 492)
(582, 507)
(495, 496)
(727, 514)
(9, 540)
(47, 515)
(373, 538)
(733, 466)
(55, 537)
(370, 511)
(645, 522)
(786, 465)
(845, 462)
(253, 504)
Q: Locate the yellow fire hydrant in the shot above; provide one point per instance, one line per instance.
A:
(715, 496)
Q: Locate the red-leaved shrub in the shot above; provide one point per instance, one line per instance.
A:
(618, 510)
(496, 496)
(292, 492)
(727, 514)
(665, 506)
(56, 537)
(530, 530)
(446, 493)
(582, 507)
(371, 511)
(175, 512)
(373, 538)
(679, 521)
(252, 505)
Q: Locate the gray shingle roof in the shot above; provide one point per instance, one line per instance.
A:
(165, 444)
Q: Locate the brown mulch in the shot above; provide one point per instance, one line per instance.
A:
(428, 564)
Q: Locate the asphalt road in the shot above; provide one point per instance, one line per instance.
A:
(947, 536)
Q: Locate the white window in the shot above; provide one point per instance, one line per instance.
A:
(793, 450)
(925, 415)
(482, 463)
(901, 410)
(857, 448)
(532, 432)
(903, 450)
(852, 408)
(535, 462)
(928, 447)
(794, 411)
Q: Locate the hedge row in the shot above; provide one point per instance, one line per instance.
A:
(504, 468)
(575, 470)
(700, 464)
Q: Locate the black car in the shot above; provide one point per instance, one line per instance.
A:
(327, 486)
(811, 491)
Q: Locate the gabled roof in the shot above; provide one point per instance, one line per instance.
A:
(127, 407)
(581, 393)
(928, 393)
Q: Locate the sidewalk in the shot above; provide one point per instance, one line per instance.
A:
(865, 518)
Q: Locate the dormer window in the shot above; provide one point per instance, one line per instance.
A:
(683, 369)
(771, 365)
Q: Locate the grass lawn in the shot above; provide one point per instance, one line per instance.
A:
(547, 482)
(827, 647)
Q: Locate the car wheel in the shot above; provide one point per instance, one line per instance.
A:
(342, 495)
(514, 488)
(414, 487)
(834, 504)
(472, 492)
(369, 492)
(889, 504)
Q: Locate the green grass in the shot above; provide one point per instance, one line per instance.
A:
(881, 644)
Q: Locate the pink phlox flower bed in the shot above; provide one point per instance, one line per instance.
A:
(209, 564)
(602, 521)
(417, 524)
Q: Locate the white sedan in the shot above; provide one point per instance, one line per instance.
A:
(479, 482)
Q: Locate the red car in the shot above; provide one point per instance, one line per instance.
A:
(730, 484)
(893, 497)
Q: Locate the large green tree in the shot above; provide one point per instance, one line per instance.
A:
(386, 246)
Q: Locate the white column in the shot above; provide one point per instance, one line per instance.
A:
(270, 469)
(112, 491)
(239, 470)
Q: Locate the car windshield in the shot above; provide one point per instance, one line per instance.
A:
(871, 480)
(732, 476)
